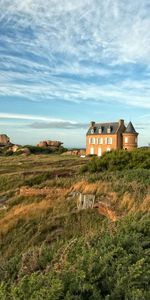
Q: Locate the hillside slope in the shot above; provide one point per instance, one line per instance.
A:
(51, 250)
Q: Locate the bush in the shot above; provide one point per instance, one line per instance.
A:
(119, 160)
(112, 264)
(38, 150)
(61, 150)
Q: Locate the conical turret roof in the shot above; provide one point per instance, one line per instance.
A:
(130, 128)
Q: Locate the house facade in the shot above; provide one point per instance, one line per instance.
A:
(102, 137)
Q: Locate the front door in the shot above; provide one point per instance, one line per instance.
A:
(99, 151)
(91, 150)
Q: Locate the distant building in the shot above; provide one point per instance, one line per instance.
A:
(102, 137)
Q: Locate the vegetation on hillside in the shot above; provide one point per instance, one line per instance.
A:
(119, 160)
(29, 149)
(50, 250)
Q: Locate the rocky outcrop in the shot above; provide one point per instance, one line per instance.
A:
(42, 144)
(25, 151)
(51, 145)
(19, 150)
(4, 140)
(14, 148)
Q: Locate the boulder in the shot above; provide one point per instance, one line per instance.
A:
(14, 148)
(54, 143)
(4, 140)
(42, 144)
(26, 151)
(50, 144)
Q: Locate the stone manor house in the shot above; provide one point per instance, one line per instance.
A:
(102, 137)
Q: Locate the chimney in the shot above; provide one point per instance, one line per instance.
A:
(121, 122)
(92, 123)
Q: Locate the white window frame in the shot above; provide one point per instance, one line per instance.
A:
(108, 130)
(99, 151)
(92, 130)
(100, 141)
(92, 150)
(126, 140)
(108, 140)
(108, 149)
(92, 141)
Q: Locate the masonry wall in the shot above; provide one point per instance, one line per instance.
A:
(132, 143)
(104, 147)
(120, 130)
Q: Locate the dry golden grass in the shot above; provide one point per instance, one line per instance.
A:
(97, 188)
(145, 206)
(103, 192)
(53, 200)
(22, 211)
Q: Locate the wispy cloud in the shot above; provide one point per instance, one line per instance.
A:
(43, 122)
(74, 51)
(29, 117)
(58, 125)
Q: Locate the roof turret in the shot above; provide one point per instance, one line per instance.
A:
(130, 128)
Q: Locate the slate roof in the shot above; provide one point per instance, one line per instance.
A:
(130, 128)
(113, 125)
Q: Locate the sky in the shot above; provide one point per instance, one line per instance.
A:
(66, 63)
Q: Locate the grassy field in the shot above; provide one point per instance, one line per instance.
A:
(44, 238)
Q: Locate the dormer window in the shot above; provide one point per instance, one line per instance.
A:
(92, 130)
(100, 130)
(109, 129)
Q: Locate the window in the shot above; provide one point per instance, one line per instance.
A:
(108, 149)
(109, 129)
(100, 141)
(99, 151)
(91, 140)
(91, 151)
(135, 139)
(100, 130)
(92, 130)
(108, 141)
(126, 140)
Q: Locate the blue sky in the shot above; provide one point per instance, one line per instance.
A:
(64, 63)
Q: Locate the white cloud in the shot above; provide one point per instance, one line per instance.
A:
(113, 29)
(45, 41)
(42, 122)
(128, 92)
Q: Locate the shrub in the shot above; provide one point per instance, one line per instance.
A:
(119, 160)
(112, 264)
